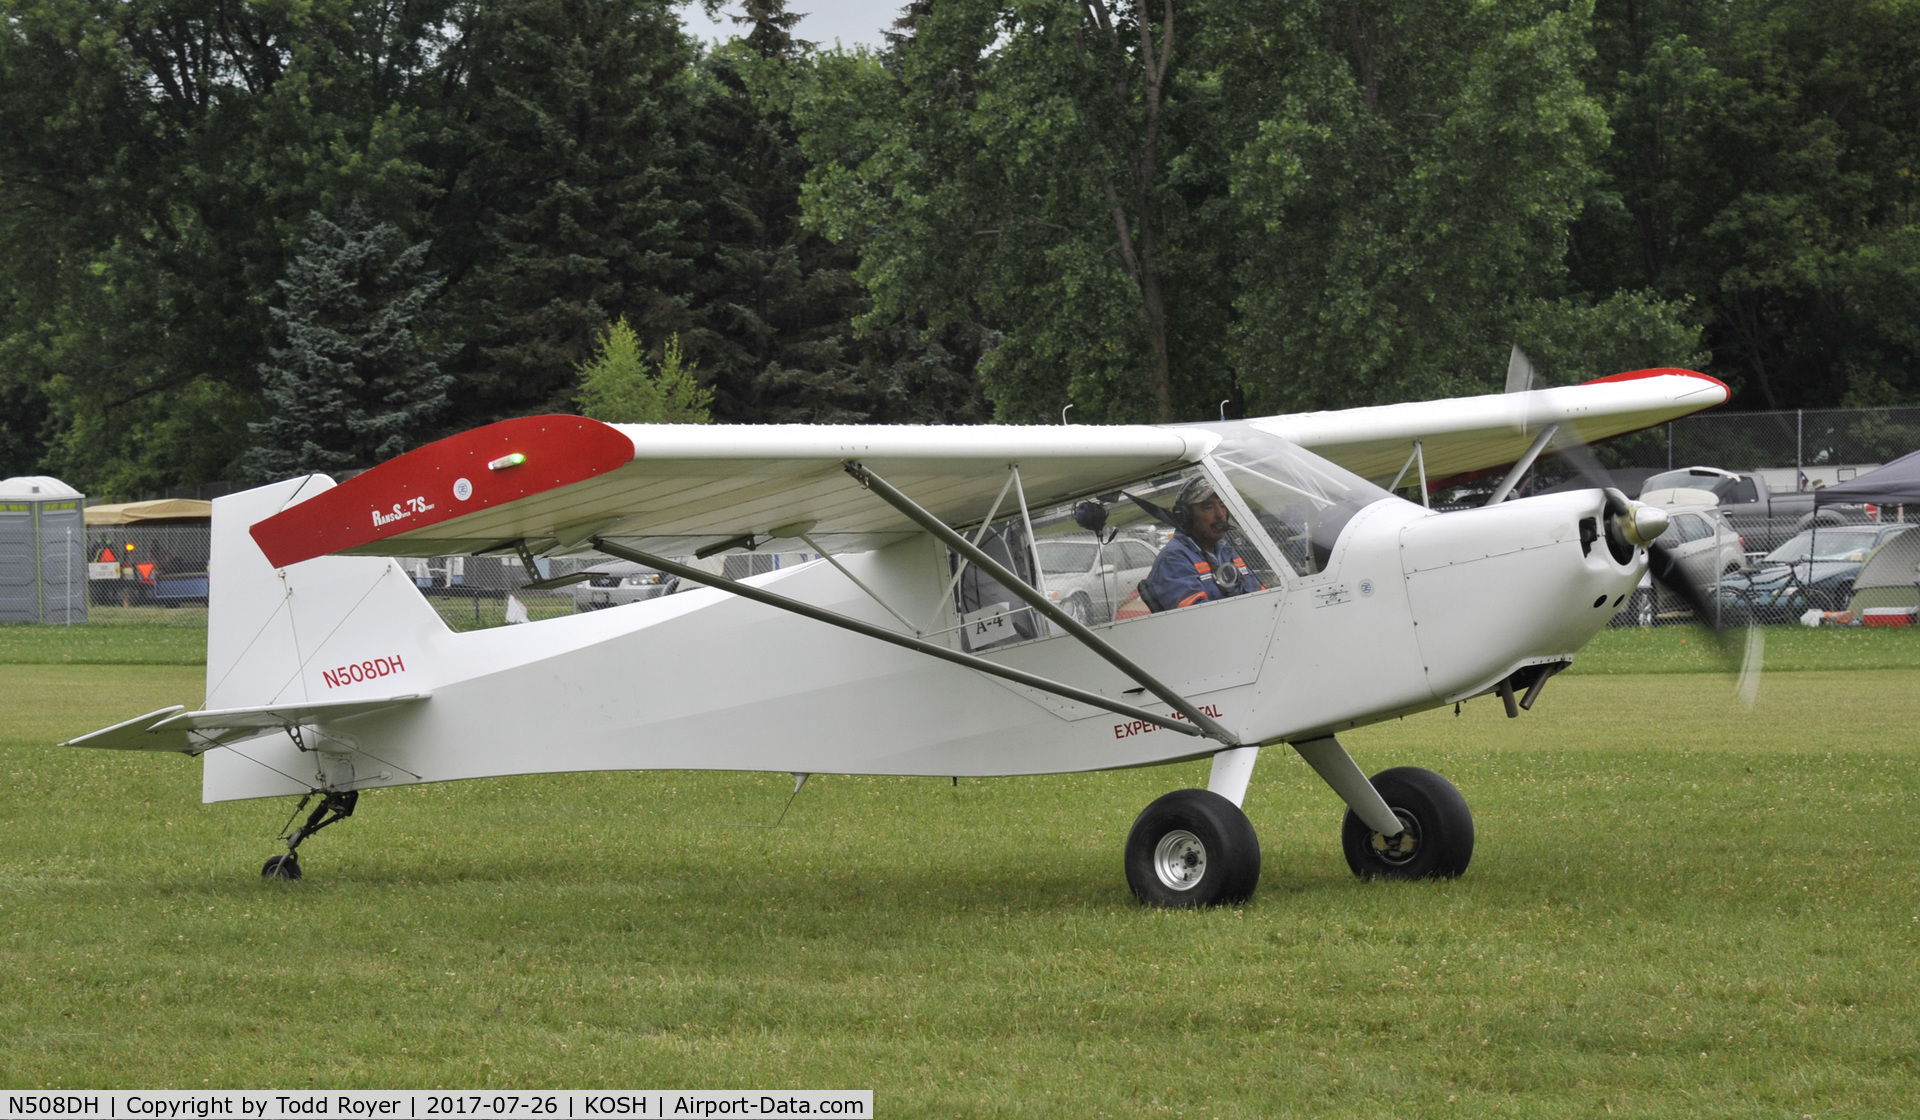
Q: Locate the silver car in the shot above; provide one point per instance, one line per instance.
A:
(619, 582)
(1088, 578)
(1704, 548)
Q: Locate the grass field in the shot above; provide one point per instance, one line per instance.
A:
(1677, 907)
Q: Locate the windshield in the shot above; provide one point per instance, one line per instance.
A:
(1302, 500)
(1826, 544)
(1057, 557)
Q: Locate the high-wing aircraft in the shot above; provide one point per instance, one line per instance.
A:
(978, 609)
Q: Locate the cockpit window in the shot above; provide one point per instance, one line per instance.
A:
(1302, 500)
(1100, 559)
(1067, 557)
(1172, 540)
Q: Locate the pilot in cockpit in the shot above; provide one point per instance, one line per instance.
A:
(1199, 564)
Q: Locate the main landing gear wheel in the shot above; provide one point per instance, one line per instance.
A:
(282, 867)
(1437, 842)
(1192, 848)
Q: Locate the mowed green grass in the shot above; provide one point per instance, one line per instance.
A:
(1677, 907)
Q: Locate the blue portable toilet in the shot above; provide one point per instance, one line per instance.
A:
(43, 552)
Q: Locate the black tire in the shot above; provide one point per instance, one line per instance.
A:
(1192, 848)
(1437, 820)
(1079, 608)
(282, 867)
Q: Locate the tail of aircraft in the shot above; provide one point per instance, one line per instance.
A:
(331, 628)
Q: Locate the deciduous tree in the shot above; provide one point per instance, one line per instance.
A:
(1018, 171)
(1765, 167)
(1410, 172)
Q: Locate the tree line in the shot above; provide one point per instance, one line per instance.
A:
(240, 238)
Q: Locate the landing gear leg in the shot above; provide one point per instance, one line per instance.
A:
(333, 807)
(1436, 836)
(1404, 823)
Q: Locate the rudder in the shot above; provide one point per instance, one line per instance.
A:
(335, 627)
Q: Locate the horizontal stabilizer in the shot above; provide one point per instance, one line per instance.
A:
(280, 715)
(176, 729)
(132, 735)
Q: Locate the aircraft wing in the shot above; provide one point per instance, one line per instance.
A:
(676, 488)
(553, 482)
(1473, 433)
(176, 729)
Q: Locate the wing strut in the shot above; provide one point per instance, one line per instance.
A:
(857, 581)
(932, 649)
(1418, 455)
(1513, 476)
(1207, 724)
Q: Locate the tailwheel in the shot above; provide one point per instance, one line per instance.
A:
(1436, 838)
(1192, 848)
(335, 806)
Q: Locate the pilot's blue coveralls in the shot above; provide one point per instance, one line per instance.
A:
(1183, 575)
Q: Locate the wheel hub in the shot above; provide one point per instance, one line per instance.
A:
(1400, 849)
(1180, 860)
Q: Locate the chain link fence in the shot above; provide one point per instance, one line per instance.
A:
(1824, 445)
(1791, 453)
(148, 564)
(476, 592)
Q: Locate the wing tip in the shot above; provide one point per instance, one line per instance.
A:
(475, 470)
(1664, 371)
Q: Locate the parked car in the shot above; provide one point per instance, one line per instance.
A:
(620, 582)
(1088, 578)
(1814, 570)
(1704, 548)
(1704, 545)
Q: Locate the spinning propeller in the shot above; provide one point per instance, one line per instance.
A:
(1631, 524)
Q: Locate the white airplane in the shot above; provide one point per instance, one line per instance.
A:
(927, 640)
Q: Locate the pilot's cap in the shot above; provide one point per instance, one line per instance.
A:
(1198, 489)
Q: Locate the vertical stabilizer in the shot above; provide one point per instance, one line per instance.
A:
(331, 628)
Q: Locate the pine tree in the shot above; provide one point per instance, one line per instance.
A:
(355, 383)
(568, 205)
(773, 301)
(621, 385)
